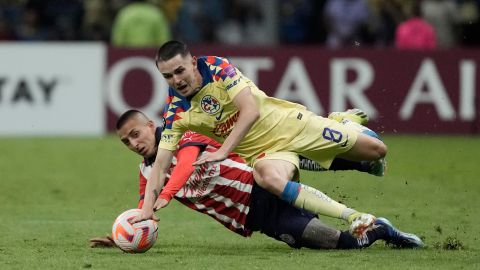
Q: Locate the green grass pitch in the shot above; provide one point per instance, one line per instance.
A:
(56, 193)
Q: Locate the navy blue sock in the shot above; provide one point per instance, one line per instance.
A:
(347, 241)
(340, 164)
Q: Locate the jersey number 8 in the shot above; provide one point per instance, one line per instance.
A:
(332, 135)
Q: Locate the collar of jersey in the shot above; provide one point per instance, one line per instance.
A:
(206, 79)
(204, 71)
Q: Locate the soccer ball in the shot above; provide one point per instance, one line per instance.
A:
(134, 238)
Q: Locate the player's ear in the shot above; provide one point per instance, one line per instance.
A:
(194, 61)
(151, 124)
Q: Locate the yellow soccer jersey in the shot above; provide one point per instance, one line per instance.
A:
(211, 112)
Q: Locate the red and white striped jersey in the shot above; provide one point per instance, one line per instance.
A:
(221, 190)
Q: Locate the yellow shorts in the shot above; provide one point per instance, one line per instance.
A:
(287, 156)
(321, 140)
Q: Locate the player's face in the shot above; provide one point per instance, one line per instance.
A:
(181, 74)
(139, 136)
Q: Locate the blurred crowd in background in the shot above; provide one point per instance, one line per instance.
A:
(422, 24)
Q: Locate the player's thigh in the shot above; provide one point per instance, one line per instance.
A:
(365, 148)
(273, 174)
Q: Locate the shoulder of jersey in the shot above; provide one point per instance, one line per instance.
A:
(219, 67)
(175, 104)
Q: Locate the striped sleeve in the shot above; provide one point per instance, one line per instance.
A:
(182, 171)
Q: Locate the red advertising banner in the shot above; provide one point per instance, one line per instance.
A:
(402, 91)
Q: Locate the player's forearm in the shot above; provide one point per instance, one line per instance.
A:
(154, 185)
(157, 177)
(248, 115)
(171, 189)
(245, 121)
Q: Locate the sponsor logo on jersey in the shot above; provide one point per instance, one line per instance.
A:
(230, 71)
(223, 129)
(167, 138)
(233, 84)
(210, 104)
(199, 181)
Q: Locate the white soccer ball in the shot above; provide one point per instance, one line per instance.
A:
(134, 238)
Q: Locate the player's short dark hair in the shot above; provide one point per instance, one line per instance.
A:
(171, 49)
(127, 116)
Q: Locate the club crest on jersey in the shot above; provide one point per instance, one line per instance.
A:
(210, 104)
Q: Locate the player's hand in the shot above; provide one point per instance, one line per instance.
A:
(144, 215)
(160, 203)
(102, 242)
(210, 157)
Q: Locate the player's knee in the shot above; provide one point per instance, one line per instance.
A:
(273, 175)
(270, 181)
(381, 149)
(378, 149)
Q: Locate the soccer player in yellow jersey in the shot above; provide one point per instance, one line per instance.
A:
(209, 95)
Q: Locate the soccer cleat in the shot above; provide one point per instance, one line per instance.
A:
(376, 167)
(356, 115)
(360, 223)
(398, 238)
(356, 119)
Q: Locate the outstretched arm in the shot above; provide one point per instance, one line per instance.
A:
(155, 184)
(180, 175)
(248, 115)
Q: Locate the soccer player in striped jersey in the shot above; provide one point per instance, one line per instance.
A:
(226, 191)
(210, 96)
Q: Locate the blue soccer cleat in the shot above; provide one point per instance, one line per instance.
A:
(398, 238)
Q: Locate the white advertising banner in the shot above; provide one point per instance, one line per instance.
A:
(51, 89)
